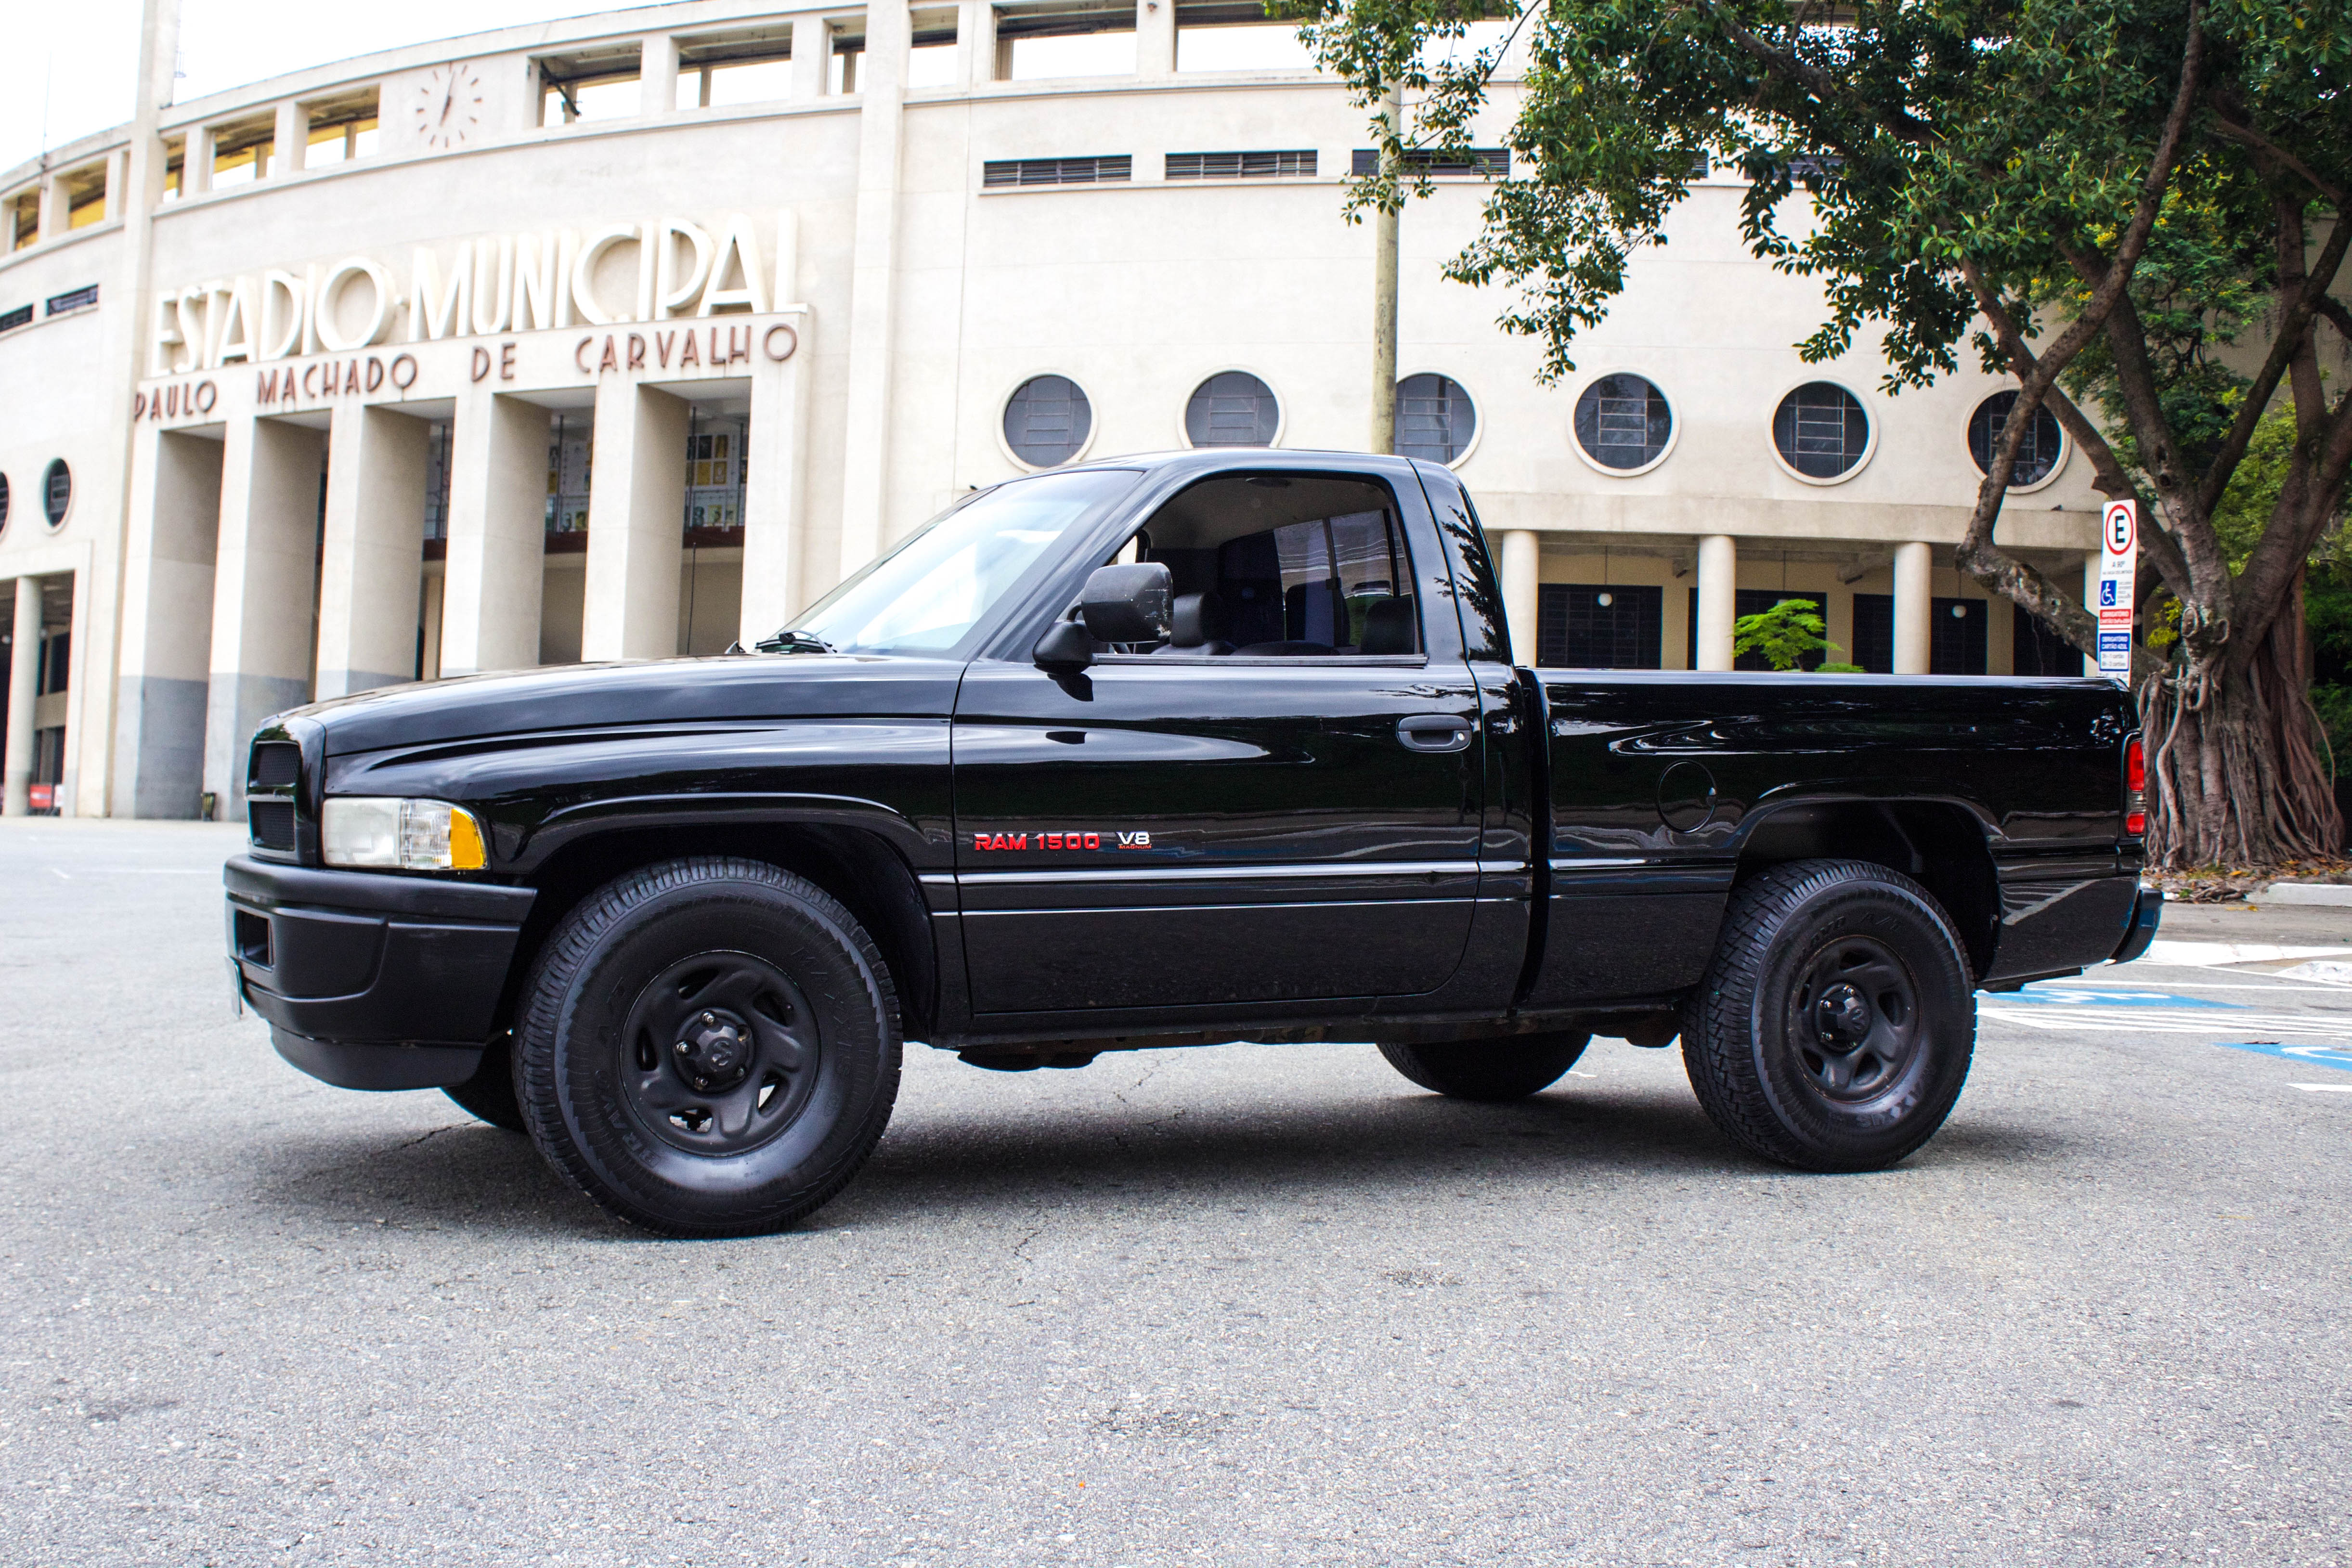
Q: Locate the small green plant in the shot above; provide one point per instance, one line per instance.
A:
(1784, 634)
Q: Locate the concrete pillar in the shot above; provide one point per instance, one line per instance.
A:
(24, 673)
(1522, 572)
(975, 42)
(56, 209)
(776, 446)
(167, 627)
(636, 504)
(657, 76)
(429, 658)
(265, 585)
(373, 563)
(1718, 589)
(196, 163)
(865, 490)
(1155, 44)
(1914, 604)
(291, 140)
(812, 55)
(496, 555)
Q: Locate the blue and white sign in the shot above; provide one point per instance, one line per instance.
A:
(2118, 572)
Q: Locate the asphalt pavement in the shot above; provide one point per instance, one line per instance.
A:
(1250, 1305)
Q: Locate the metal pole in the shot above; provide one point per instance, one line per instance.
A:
(1384, 287)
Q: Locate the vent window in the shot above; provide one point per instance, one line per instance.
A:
(1290, 163)
(1048, 420)
(12, 320)
(1435, 419)
(1234, 408)
(81, 299)
(998, 174)
(1821, 432)
(1489, 163)
(2037, 454)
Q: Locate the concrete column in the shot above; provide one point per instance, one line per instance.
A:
(774, 515)
(196, 162)
(24, 673)
(372, 564)
(167, 628)
(657, 76)
(56, 209)
(496, 558)
(636, 503)
(975, 42)
(1914, 604)
(429, 613)
(873, 305)
(290, 140)
(811, 55)
(265, 582)
(1718, 601)
(1155, 42)
(1522, 572)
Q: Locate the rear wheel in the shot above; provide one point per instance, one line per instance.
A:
(709, 1046)
(1509, 1068)
(1836, 1023)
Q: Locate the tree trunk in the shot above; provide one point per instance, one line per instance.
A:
(2236, 772)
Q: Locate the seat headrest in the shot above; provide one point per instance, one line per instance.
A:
(1389, 628)
(1198, 619)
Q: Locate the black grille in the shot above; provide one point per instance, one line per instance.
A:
(275, 764)
(1271, 165)
(1001, 172)
(272, 823)
(1493, 163)
(12, 320)
(73, 299)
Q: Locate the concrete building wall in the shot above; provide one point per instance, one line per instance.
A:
(245, 406)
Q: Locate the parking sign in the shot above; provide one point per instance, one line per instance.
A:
(2118, 566)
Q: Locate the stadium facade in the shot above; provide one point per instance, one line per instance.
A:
(628, 336)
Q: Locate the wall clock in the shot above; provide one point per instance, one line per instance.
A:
(449, 105)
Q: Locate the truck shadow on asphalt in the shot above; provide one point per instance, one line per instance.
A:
(971, 1162)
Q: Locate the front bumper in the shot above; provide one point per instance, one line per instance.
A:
(370, 980)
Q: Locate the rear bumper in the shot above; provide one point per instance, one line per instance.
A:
(2141, 930)
(370, 980)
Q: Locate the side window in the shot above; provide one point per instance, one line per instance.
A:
(1337, 585)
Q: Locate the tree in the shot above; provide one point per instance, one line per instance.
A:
(2098, 197)
(1784, 634)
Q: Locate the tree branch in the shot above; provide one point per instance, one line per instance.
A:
(2248, 137)
(2294, 318)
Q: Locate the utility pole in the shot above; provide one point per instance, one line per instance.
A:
(1385, 280)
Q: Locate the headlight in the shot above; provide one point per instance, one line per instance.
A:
(408, 835)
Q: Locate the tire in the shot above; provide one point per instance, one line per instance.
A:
(489, 1093)
(1835, 1025)
(1490, 1069)
(709, 1046)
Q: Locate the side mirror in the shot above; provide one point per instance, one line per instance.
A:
(1129, 604)
(1067, 645)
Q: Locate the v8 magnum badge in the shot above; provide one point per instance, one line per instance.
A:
(1065, 841)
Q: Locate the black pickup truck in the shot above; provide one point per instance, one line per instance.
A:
(1156, 751)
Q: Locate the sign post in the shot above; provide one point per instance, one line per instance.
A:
(2118, 571)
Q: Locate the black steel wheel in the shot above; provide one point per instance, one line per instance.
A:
(1491, 1070)
(1836, 1023)
(709, 1046)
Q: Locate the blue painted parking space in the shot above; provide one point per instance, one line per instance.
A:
(2336, 1056)
(2046, 995)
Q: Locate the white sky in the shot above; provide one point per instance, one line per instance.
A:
(68, 69)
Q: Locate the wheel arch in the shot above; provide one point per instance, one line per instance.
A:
(856, 865)
(1940, 844)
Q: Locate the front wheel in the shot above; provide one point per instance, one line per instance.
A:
(1511, 1068)
(1836, 1022)
(709, 1046)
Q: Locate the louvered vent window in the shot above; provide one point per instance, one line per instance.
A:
(1493, 163)
(10, 320)
(1290, 163)
(1002, 172)
(74, 300)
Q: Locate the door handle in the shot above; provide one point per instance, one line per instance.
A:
(1434, 732)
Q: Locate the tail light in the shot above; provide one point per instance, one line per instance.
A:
(2135, 789)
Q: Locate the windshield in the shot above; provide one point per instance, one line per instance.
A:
(927, 595)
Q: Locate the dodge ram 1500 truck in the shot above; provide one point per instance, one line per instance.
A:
(1154, 751)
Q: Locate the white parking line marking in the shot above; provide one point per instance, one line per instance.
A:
(2324, 1088)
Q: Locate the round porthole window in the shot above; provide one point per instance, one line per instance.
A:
(1623, 424)
(1048, 420)
(1231, 408)
(1435, 419)
(1821, 432)
(4, 501)
(56, 492)
(2037, 454)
